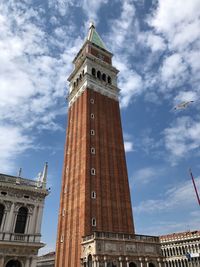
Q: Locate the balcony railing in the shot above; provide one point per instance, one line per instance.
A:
(18, 180)
(120, 236)
(14, 237)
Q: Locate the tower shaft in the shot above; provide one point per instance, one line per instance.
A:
(95, 194)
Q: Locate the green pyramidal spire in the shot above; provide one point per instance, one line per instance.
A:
(93, 37)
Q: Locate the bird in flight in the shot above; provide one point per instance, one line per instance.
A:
(183, 105)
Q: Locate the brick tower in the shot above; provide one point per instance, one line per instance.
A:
(95, 196)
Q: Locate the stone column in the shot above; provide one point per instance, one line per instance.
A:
(39, 220)
(27, 263)
(1, 261)
(33, 262)
(140, 260)
(31, 229)
(9, 219)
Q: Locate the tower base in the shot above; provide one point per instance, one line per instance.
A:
(121, 250)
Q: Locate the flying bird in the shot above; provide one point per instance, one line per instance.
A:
(183, 105)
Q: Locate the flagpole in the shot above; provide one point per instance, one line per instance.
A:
(195, 188)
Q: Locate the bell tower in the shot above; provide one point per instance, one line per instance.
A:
(95, 192)
(95, 196)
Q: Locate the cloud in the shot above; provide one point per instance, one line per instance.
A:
(32, 78)
(91, 8)
(147, 174)
(13, 142)
(174, 71)
(173, 199)
(182, 137)
(128, 146)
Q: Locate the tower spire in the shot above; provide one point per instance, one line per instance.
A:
(94, 37)
(44, 175)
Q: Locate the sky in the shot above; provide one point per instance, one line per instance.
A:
(156, 48)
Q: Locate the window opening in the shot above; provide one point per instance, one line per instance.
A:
(92, 101)
(93, 222)
(104, 77)
(92, 132)
(92, 115)
(99, 75)
(93, 72)
(2, 208)
(92, 150)
(93, 172)
(109, 80)
(93, 194)
(21, 220)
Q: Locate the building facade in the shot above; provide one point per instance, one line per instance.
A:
(95, 225)
(181, 249)
(21, 208)
(47, 260)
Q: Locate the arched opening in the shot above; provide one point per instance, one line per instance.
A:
(77, 81)
(2, 208)
(109, 80)
(99, 75)
(104, 77)
(132, 264)
(93, 72)
(21, 220)
(13, 263)
(89, 261)
(80, 77)
(83, 72)
(151, 264)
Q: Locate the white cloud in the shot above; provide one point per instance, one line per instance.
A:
(32, 79)
(91, 8)
(173, 199)
(13, 141)
(174, 71)
(155, 42)
(182, 137)
(128, 146)
(146, 175)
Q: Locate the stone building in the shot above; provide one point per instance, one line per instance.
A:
(181, 249)
(21, 208)
(46, 260)
(95, 225)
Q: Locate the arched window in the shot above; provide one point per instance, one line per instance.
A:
(83, 72)
(92, 150)
(109, 80)
(77, 81)
(89, 261)
(99, 75)
(93, 194)
(132, 264)
(13, 263)
(104, 77)
(2, 208)
(21, 220)
(93, 222)
(74, 84)
(80, 77)
(93, 72)
(93, 172)
(151, 264)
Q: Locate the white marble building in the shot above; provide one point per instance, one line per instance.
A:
(21, 209)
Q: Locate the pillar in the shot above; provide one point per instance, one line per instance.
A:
(39, 220)
(9, 219)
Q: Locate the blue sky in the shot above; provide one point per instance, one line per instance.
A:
(156, 48)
